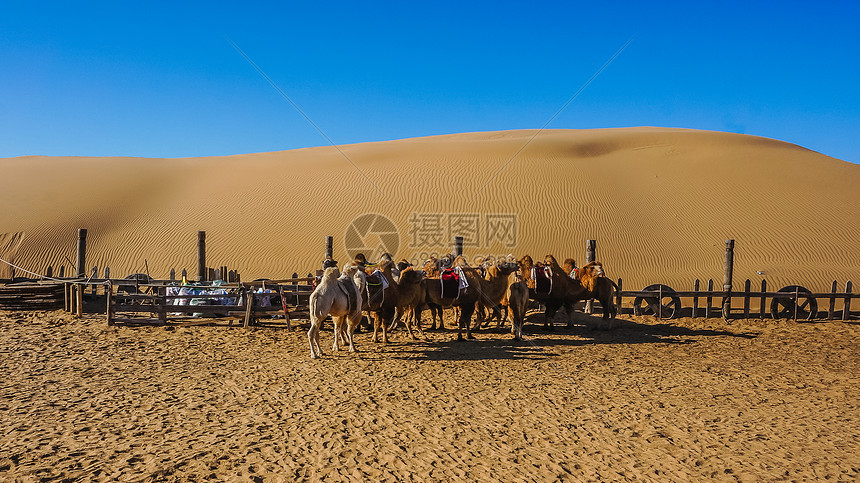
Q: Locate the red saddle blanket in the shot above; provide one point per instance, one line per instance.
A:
(543, 280)
(450, 283)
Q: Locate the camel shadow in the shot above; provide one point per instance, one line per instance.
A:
(538, 344)
(501, 348)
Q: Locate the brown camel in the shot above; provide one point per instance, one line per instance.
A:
(494, 284)
(518, 299)
(466, 299)
(500, 311)
(381, 304)
(432, 272)
(411, 295)
(599, 286)
(564, 290)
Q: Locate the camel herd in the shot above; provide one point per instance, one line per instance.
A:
(390, 293)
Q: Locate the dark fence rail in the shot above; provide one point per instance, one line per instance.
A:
(792, 302)
(151, 304)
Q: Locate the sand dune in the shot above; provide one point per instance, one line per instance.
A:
(659, 201)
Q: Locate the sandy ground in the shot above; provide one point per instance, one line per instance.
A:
(663, 401)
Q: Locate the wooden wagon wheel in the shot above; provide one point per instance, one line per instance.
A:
(804, 305)
(671, 304)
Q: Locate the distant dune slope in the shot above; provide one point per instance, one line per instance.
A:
(660, 202)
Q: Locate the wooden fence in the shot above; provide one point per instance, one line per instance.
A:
(792, 302)
(149, 296)
(31, 296)
(150, 304)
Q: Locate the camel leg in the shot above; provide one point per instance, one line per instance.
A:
(482, 317)
(466, 312)
(398, 314)
(416, 316)
(549, 315)
(352, 323)
(497, 312)
(568, 310)
(375, 323)
(434, 311)
(388, 316)
(337, 321)
(311, 333)
(408, 324)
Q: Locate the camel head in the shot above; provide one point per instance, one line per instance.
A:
(349, 271)
(385, 266)
(503, 266)
(592, 270)
(330, 275)
(431, 267)
(329, 262)
(403, 264)
(527, 262)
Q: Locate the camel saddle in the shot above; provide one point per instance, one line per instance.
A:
(375, 290)
(348, 288)
(542, 275)
(450, 283)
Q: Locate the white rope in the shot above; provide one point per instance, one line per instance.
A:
(45, 277)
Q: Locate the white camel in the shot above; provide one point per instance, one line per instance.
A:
(329, 298)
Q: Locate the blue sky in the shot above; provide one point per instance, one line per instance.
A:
(156, 79)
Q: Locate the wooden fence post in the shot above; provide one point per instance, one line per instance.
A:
(82, 253)
(695, 298)
(590, 256)
(79, 299)
(832, 301)
(201, 256)
(763, 306)
(94, 275)
(329, 247)
(618, 295)
(161, 301)
(797, 301)
(846, 310)
(727, 278)
(710, 297)
(109, 298)
(458, 246)
(249, 310)
(747, 286)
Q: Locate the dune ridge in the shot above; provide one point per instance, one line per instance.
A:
(660, 202)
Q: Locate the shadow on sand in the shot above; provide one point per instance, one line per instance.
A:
(492, 344)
